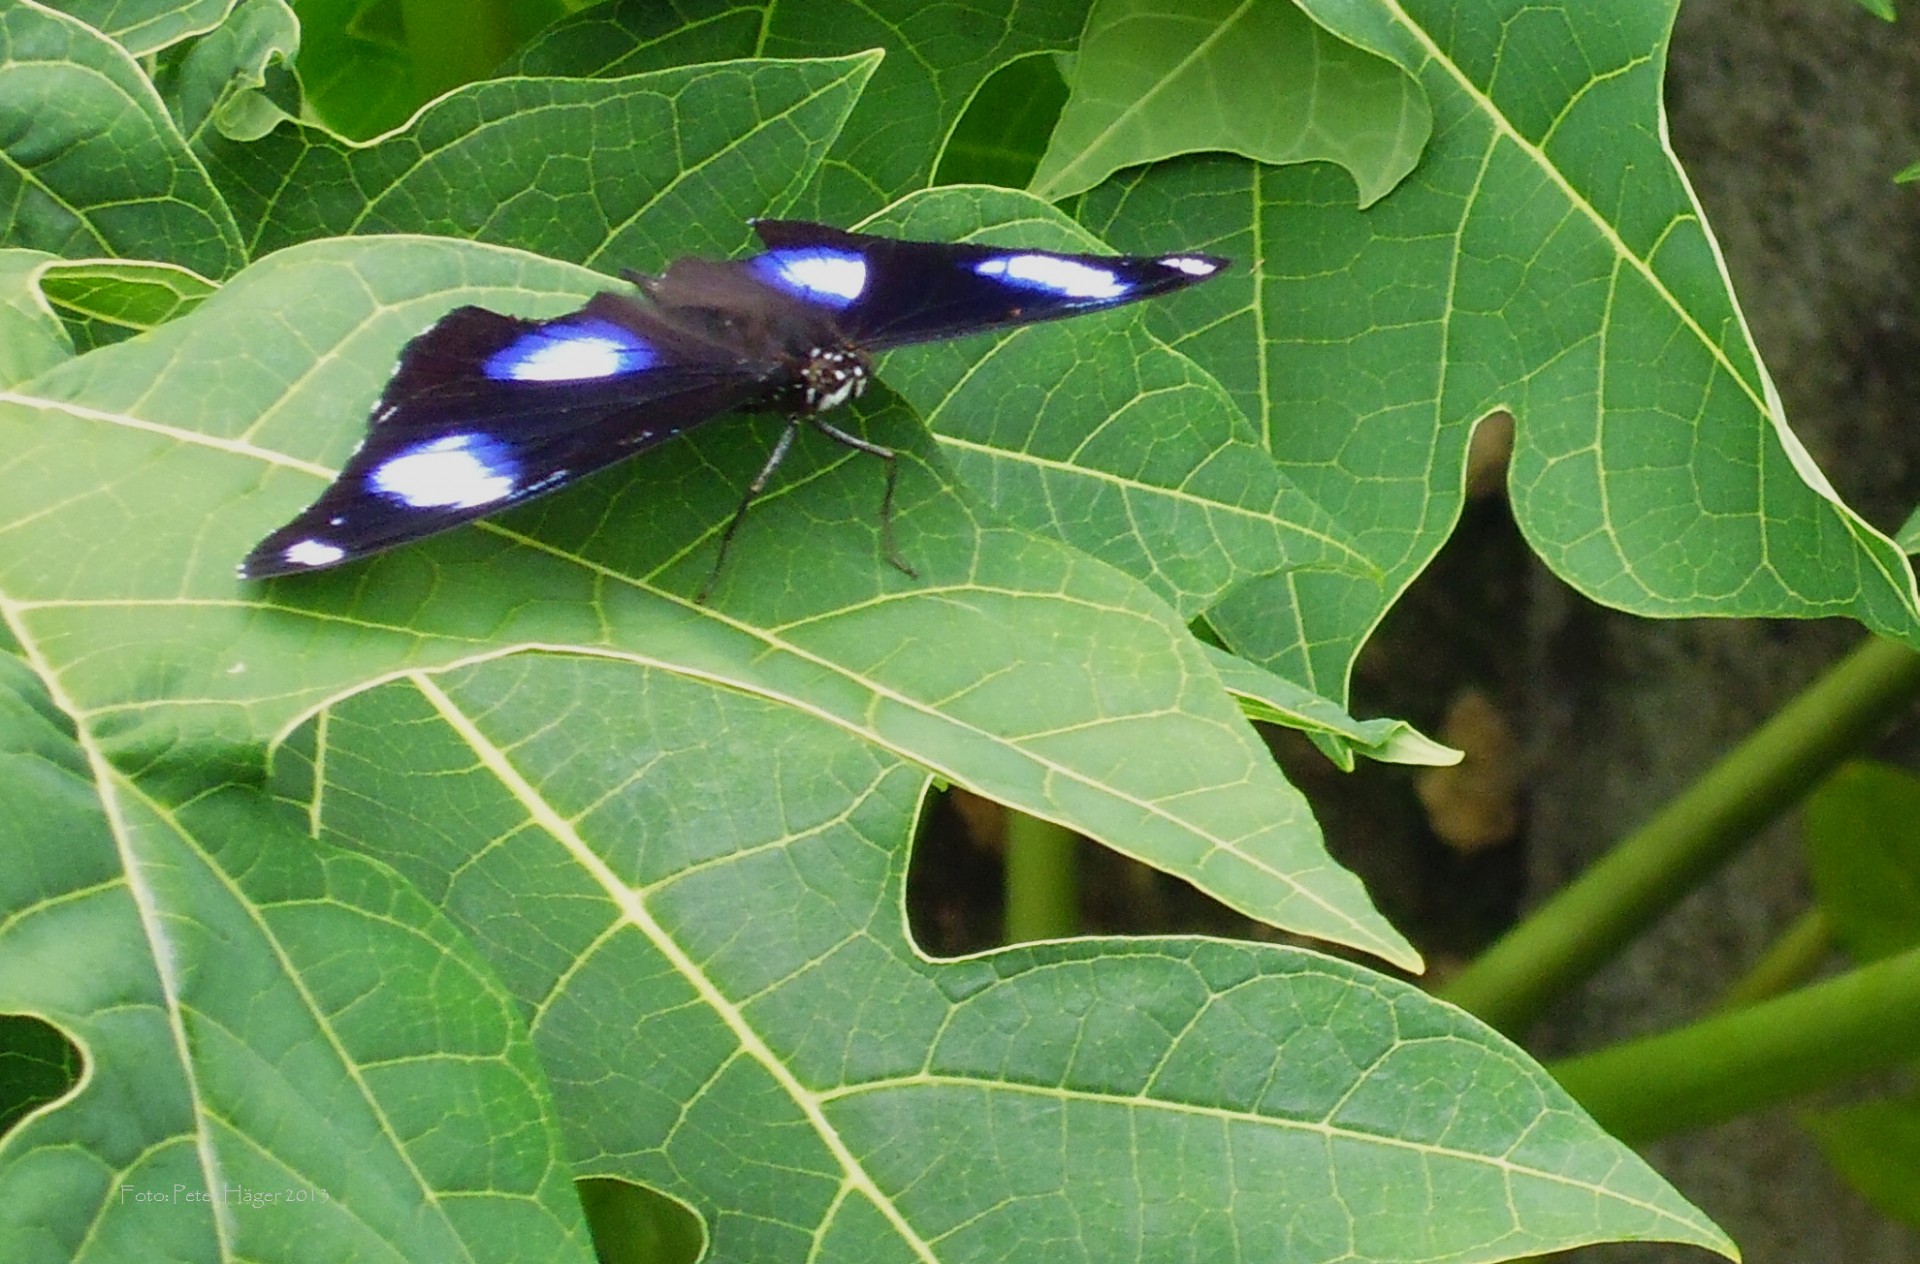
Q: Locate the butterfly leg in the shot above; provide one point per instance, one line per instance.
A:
(758, 485)
(892, 459)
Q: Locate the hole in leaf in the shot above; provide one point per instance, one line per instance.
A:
(632, 1224)
(37, 1065)
(1000, 138)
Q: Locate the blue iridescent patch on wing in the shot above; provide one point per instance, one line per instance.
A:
(1051, 274)
(818, 274)
(584, 349)
(457, 471)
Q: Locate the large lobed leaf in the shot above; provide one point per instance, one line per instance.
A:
(734, 1015)
(1154, 80)
(618, 173)
(939, 57)
(630, 807)
(95, 165)
(1546, 259)
(288, 1051)
(1013, 666)
(818, 1089)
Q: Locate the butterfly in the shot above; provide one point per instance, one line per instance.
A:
(486, 410)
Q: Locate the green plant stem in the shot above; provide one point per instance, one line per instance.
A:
(1788, 962)
(1585, 923)
(1043, 880)
(1827, 1033)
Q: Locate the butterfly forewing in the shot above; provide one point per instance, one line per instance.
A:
(886, 292)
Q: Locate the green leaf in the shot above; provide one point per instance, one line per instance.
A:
(452, 45)
(1882, 9)
(1546, 259)
(235, 78)
(1863, 853)
(289, 1052)
(105, 300)
(32, 339)
(370, 64)
(1012, 666)
(574, 169)
(1094, 431)
(519, 778)
(1876, 1146)
(99, 300)
(147, 26)
(356, 66)
(787, 1063)
(1276, 700)
(936, 59)
(627, 37)
(1153, 80)
(1908, 536)
(93, 164)
(1000, 139)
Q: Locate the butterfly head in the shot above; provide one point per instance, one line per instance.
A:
(828, 377)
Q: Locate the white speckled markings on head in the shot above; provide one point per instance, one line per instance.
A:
(832, 378)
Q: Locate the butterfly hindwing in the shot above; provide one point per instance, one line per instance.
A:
(885, 292)
(486, 411)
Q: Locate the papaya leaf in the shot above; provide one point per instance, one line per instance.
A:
(1154, 80)
(1547, 258)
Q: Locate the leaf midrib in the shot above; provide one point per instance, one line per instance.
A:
(633, 910)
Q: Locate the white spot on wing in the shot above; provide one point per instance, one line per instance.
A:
(818, 273)
(313, 553)
(460, 471)
(1191, 266)
(1050, 274)
(571, 351)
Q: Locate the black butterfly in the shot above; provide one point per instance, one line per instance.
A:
(486, 411)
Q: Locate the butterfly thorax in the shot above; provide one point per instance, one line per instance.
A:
(740, 315)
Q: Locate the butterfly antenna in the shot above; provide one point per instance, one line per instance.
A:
(892, 458)
(758, 485)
